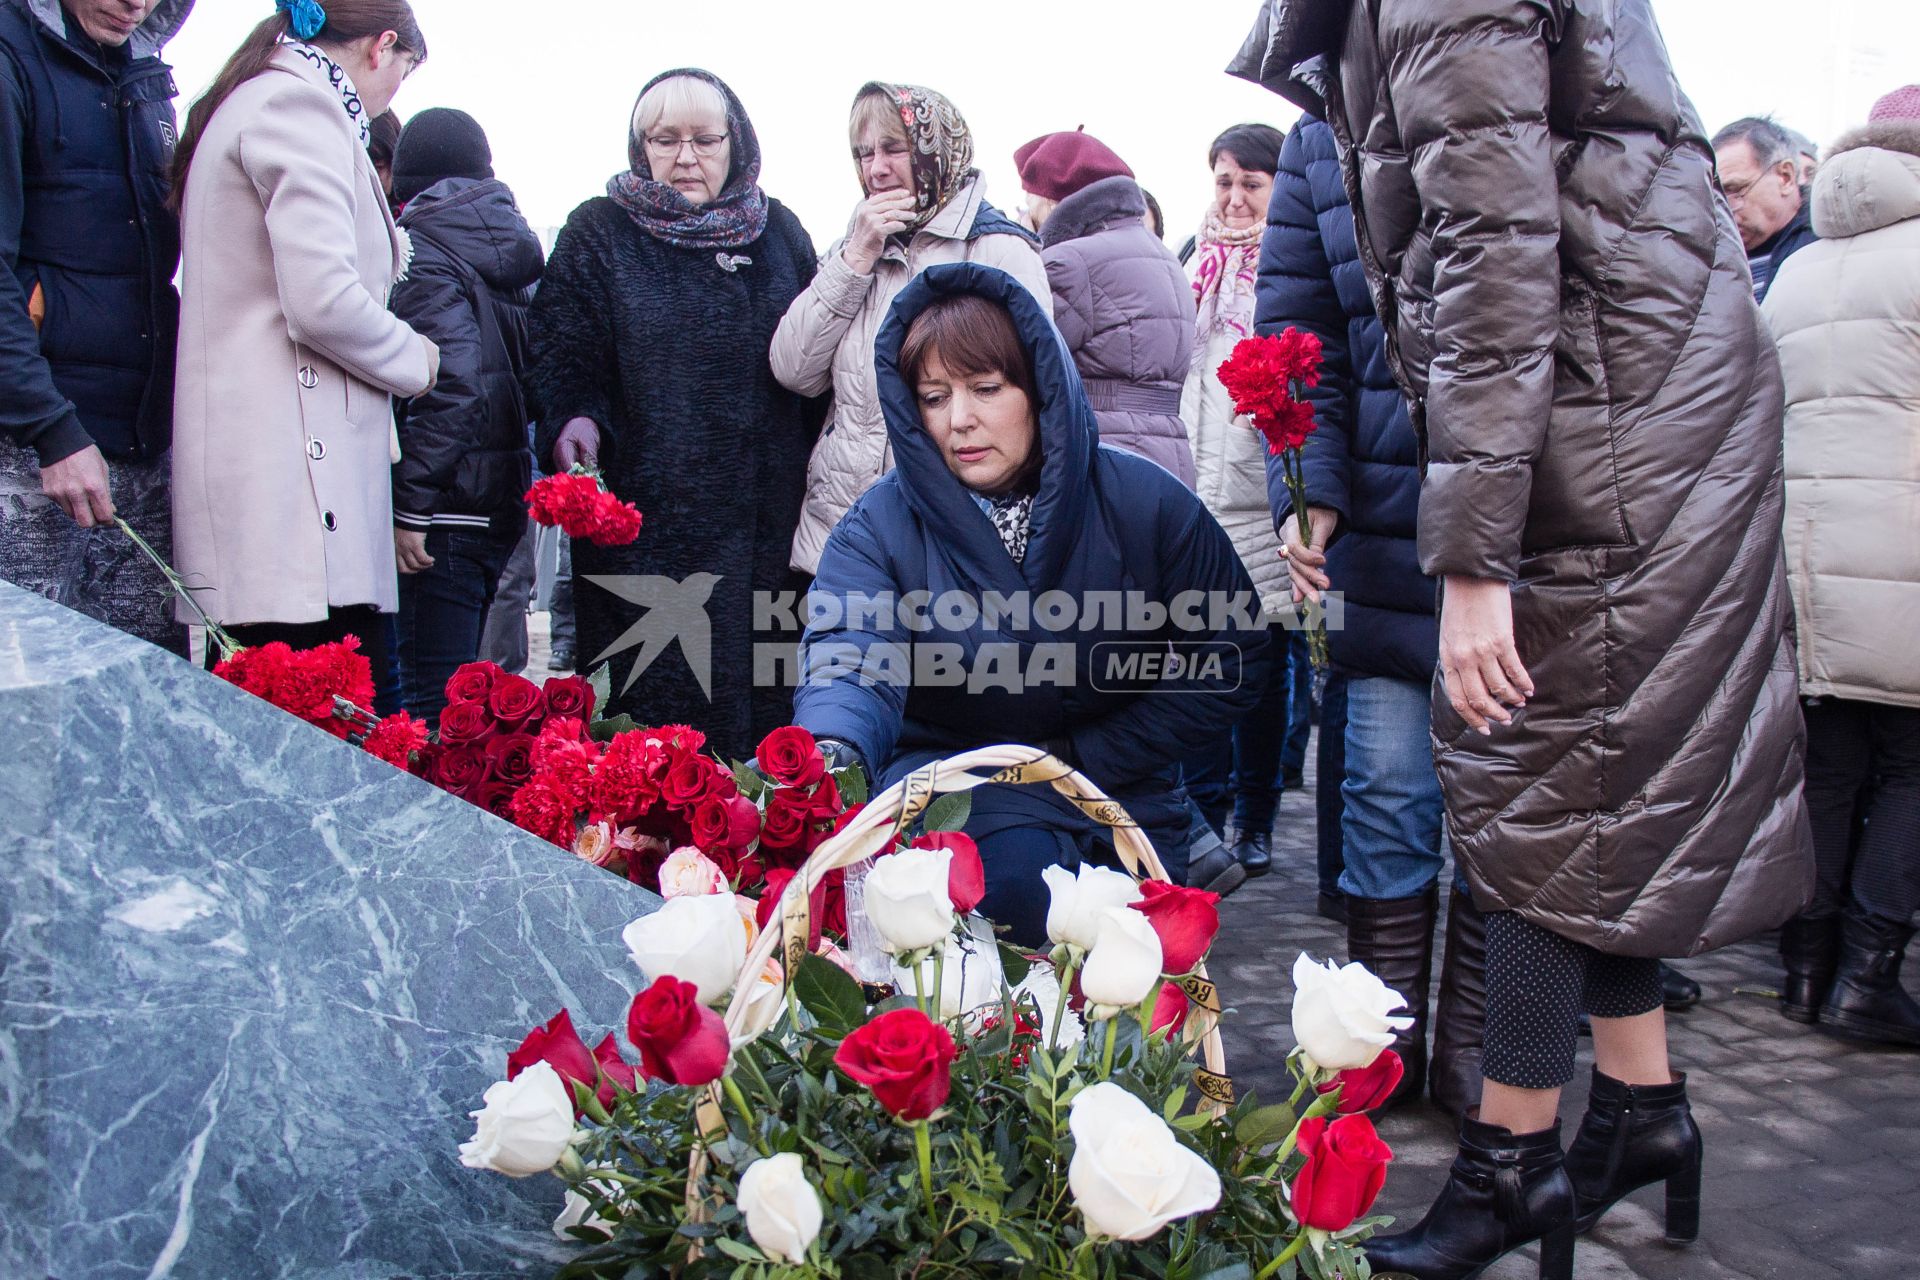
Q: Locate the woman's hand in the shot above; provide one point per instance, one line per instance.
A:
(578, 445)
(1306, 563)
(1482, 669)
(877, 217)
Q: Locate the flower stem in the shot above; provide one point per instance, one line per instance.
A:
(919, 988)
(739, 1102)
(1287, 1255)
(1106, 1055)
(923, 1148)
(1060, 1008)
(939, 976)
(228, 645)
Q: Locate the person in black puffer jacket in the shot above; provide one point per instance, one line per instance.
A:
(460, 485)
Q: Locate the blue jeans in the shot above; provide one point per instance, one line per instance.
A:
(442, 610)
(1392, 827)
(1295, 676)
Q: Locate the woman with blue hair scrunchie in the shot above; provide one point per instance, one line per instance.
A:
(288, 356)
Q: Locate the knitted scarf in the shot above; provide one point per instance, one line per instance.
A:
(1222, 271)
(942, 145)
(342, 84)
(734, 218)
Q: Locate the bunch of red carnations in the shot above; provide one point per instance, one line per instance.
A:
(580, 505)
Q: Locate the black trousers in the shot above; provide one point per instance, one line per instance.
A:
(1538, 984)
(375, 630)
(1863, 795)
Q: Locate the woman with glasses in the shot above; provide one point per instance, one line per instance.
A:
(289, 358)
(922, 202)
(649, 363)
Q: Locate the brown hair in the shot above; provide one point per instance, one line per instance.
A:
(972, 335)
(347, 20)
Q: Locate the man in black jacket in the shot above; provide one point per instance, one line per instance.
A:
(459, 487)
(1759, 167)
(88, 311)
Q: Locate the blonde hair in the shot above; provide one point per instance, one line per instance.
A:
(875, 110)
(682, 98)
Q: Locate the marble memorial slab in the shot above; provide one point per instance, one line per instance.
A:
(253, 979)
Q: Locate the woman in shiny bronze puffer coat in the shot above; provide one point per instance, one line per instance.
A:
(1568, 309)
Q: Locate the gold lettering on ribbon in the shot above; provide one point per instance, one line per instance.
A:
(796, 925)
(1045, 769)
(1202, 992)
(1214, 1086)
(1107, 813)
(916, 797)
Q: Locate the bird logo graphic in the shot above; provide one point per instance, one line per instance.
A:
(675, 610)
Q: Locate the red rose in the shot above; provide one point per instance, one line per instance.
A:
(768, 910)
(966, 876)
(743, 822)
(833, 915)
(510, 757)
(472, 682)
(789, 755)
(710, 824)
(822, 803)
(687, 782)
(1364, 1088)
(464, 722)
(1346, 1165)
(558, 1045)
(516, 702)
(847, 816)
(398, 739)
(905, 1058)
(459, 768)
(1185, 919)
(493, 795)
(1169, 1009)
(568, 696)
(680, 1040)
(614, 1070)
(783, 826)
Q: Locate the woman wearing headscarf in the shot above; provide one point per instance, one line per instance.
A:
(1002, 493)
(1230, 458)
(649, 340)
(289, 358)
(922, 202)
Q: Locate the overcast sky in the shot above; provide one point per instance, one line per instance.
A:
(553, 81)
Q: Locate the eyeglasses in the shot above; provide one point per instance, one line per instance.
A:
(705, 145)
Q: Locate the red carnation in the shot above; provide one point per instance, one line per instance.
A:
(1267, 377)
(789, 755)
(397, 739)
(579, 505)
(680, 1040)
(905, 1058)
(547, 813)
(1186, 921)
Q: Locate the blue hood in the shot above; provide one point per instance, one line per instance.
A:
(1069, 435)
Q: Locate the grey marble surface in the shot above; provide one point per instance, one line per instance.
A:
(252, 980)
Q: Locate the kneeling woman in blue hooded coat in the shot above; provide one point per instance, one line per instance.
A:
(1010, 580)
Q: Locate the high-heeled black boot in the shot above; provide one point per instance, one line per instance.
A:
(1460, 1013)
(1393, 937)
(1505, 1190)
(1632, 1136)
(1810, 952)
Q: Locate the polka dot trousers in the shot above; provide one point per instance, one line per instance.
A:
(1538, 983)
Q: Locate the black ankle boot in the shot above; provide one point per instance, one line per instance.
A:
(1633, 1136)
(1393, 937)
(1460, 1013)
(1505, 1190)
(1677, 990)
(1867, 1001)
(1810, 950)
(1254, 851)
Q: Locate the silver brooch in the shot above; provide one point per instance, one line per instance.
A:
(732, 262)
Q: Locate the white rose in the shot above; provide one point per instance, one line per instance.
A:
(781, 1207)
(689, 873)
(1073, 916)
(765, 1001)
(1124, 966)
(907, 900)
(696, 939)
(578, 1211)
(970, 976)
(1043, 984)
(1130, 1176)
(1341, 1014)
(524, 1126)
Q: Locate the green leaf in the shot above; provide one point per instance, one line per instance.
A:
(601, 682)
(1014, 963)
(606, 730)
(1192, 1123)
(826, 992)
(949, 813)
(1265, 1126)
(743, 1252)
(1175, 1100)
(852, 782)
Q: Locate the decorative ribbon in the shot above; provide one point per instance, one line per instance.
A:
(306, 17)
(795, 925)
(1214, 1086)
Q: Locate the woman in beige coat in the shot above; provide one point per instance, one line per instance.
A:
(283, 419)
(922, 202)
(1844, 311)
